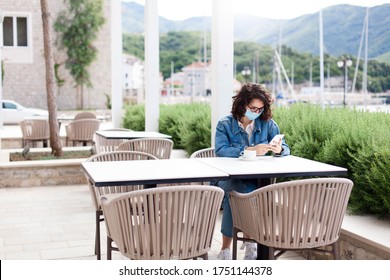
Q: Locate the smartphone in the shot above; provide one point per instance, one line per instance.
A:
(276, 139)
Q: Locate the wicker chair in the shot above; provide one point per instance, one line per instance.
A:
(34, 131)
(96, 192)
(296, 215)
(204, 153)
(84, 115)
(175, 222)
(81, 130)
(159, 147)
(102, 144)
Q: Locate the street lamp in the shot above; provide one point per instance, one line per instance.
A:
(246, 72)
(345, 63)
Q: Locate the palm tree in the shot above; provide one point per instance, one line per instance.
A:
(55, 142)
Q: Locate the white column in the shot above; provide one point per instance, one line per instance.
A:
(152, 66)
(116, 62)
(222, 62)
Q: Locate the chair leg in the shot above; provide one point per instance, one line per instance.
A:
(335, 251)
(271, 253)
(97, 235)
(109, 248)
(235, 234)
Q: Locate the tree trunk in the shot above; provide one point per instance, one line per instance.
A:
(55, 142)
(81, 88)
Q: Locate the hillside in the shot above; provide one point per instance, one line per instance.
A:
(343, 26)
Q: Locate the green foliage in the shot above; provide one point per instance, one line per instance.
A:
(78, 27)
(370, 171)
(195, 127)
(183, 48)
(134, 117)
(171, 120)
(135, 45)
(353, 139)
(60, 82)
(108, 101)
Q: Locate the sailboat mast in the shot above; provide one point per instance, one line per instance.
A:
(359, 54)
(321, 58)
(365, 61)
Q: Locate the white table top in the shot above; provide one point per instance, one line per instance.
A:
(71, 118)
(114, 134)
(150, 172)
(203, 169)
(269, 166)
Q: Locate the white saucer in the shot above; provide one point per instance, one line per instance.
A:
(247, 159)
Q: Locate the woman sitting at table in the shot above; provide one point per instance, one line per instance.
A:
(250, 126)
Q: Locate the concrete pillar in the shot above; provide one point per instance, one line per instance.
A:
(152, 66)
(222, 62)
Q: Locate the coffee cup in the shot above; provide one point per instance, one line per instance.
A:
(249, 154)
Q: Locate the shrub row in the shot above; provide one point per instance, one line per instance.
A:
(356, 140)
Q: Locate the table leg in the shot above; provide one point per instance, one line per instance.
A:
(262, 250)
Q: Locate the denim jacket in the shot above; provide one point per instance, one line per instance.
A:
(231, 139)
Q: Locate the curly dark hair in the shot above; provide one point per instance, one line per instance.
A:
(244, 97)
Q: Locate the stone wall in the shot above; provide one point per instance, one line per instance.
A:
(353, 247)
(356, 247)
(25, 82)
(42, 173)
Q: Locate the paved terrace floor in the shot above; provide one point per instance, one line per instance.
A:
(58, 222)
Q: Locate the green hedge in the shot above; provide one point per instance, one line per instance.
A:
(356, 140)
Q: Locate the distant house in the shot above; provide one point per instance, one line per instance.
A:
(133, 79)
(23, 58)
(197, 79)
(173, 85)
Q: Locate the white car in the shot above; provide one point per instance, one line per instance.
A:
(14, 113)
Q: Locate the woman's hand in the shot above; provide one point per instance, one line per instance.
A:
(261, 149)
(276, 147)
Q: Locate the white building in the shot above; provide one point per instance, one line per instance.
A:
(24, 63)
(133, 78)
(197, 79)
(174, 84)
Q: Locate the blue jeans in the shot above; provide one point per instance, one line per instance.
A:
(241, 186)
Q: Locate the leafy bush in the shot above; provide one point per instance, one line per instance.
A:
(172, 118)
(134, 117)
(371, 173)
(196, 130)
(356, 140)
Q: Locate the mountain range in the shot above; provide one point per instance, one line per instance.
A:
(342, 29)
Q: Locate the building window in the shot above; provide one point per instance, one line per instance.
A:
(15, 31)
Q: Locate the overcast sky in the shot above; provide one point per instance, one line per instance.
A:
(275, 9)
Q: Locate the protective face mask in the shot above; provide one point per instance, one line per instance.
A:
(251, 115)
